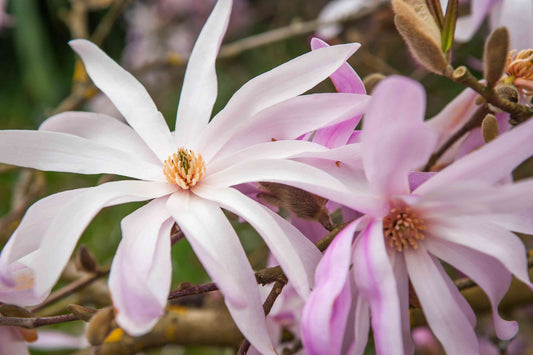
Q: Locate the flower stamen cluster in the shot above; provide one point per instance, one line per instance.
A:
(184, 168)
(519, 66)
(403, 228)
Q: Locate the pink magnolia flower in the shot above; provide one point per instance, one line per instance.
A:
(461, 215)
(11, 342)
(187, 173)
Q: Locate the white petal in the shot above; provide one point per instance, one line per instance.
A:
(102, 129)
(11, 342)
(486, 271)
(297, 256)
(277, 85)
(55, 151)
(218, 247)
(444, 315)
(128, 95)
(199, 90)
(141, 272)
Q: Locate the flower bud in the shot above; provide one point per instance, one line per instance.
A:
(495, 55)
(372, 80)
(83, 313)
(489, 128)
(100, 326)
(417, 26)
(85, 260)
(508, 92)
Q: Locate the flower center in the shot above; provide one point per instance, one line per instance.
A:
(520, 64)
(403, 228)
(184, 168)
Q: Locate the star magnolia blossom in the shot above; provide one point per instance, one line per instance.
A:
(462, 215)
(188, 173)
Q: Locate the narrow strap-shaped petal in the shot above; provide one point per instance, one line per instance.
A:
(128, 95)
(199, 90)
(102, 129)
(288, 120)
(60, 233)
(56, 151)
(489, 163)
(218, 247)
(141, 272)
(296, 254)
(361, 326)
(402, 282)
(486, 271)
(394, 139)
(277, 85)
(345, 80)
(376, 281)
(11, 342)
(444, 315)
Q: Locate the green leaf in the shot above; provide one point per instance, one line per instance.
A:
(448, 28)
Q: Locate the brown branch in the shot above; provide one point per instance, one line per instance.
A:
(36, 322)
(104, 27)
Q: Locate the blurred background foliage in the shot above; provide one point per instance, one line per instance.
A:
(37, 72)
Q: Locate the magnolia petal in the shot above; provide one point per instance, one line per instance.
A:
(486, 271)
(336, 10)
(296, 254)
(402, 282)
(516, 16)
(218, 247)
(140, 275)
(11, 342)
(320, 335)
(345, 80)
(290, 119)
(199, 90)
(273, 87)
(129, 97)
(394, 139)
(102, 129)
(487, 238)
(468, 25)
(376, 282)
(491, 163)
(60, 233)
(55, 151)
(444, 315)
(361, 327)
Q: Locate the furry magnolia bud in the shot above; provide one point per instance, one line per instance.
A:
(100, 325)
(303, 204)
(489, 128)
(417, 26)
(372, 80)
(495, 55)
(85, 260)
(83, 313)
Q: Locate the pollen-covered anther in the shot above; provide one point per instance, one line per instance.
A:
(403, 229)
(519, 65)
(184, 168)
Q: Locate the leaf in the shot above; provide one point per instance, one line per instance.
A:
(448, 28)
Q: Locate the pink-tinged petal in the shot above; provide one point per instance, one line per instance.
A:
(519, 221)
(444, 314)
(486, 271)
(102, 129)
(517, 16)
(417, 178)
(361, 326)
(51, 340)
(376, 282)
(290, 119)
(55, 151)
(61, 232)
(355, 137)
(491, 163)
(402, 282)
(11, 342)
(487, 238)
(394, 139)
(345, 80)
(128, 95)
(141, 272)
(468, 25)
(296, 254)
(313, 230)
(321, 333)
(199, 90)
(273, 87)
(218, 247)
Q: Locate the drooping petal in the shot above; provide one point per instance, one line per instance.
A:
(277, 85)
(443, 313)
(468, 25)
(376, 281)
(345, 80)
(320, 335)
(141, 272)
(55, 151)
(487, 238)
(394, 139)
(217, 246)
(199, 90)
(361, 326)
(290, 119)
(296, 254)
(517, 16)
(336, 10)
(486, 271)
(102, 129)
(11, 342)
(60, 229)
(128, 95)
(402, 282)
(490, 163)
